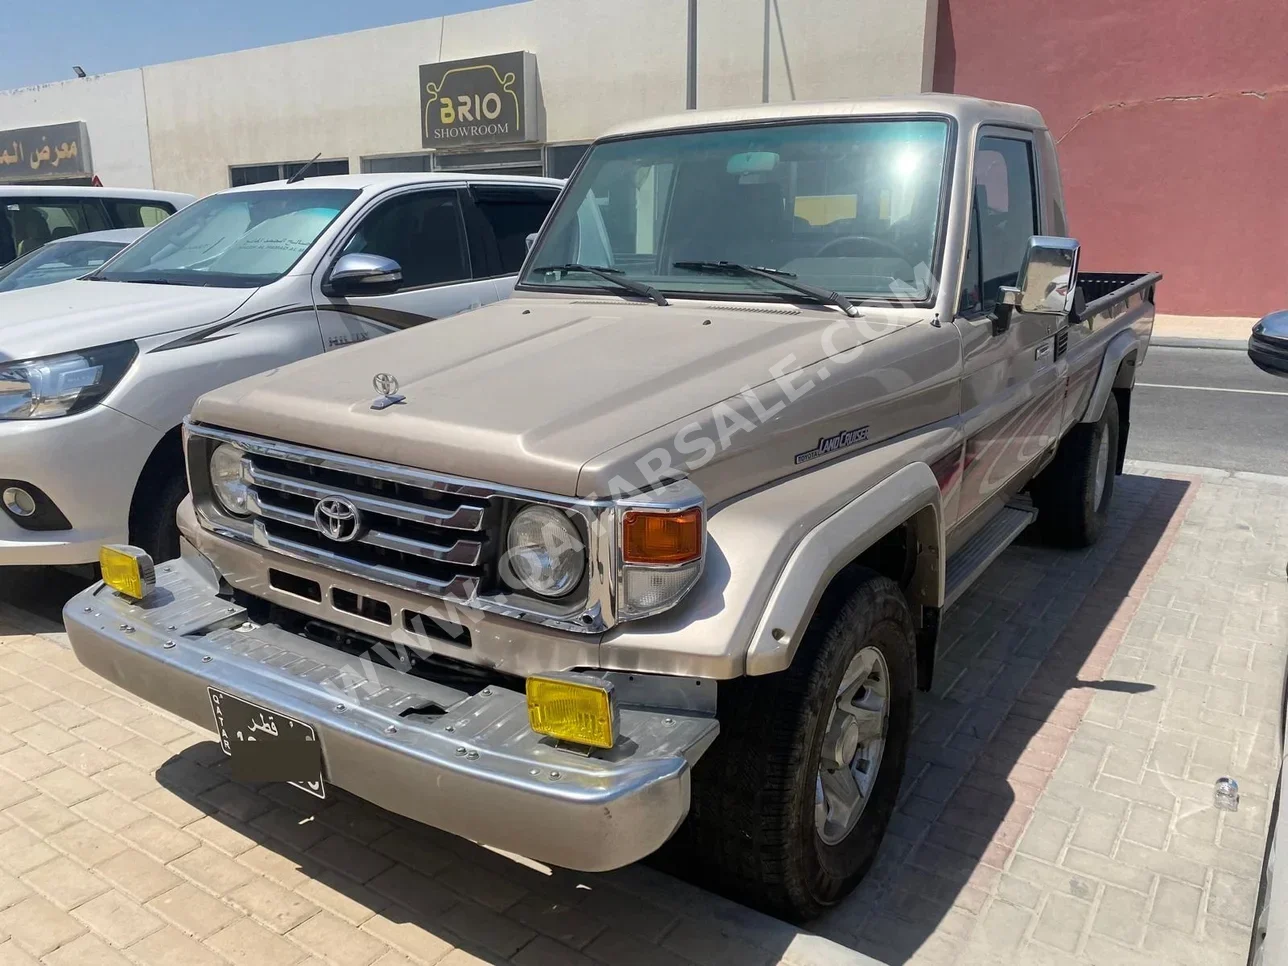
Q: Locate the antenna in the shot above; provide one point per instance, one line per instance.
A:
(299, 175)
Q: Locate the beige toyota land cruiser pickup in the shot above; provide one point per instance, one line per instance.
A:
(659, 547)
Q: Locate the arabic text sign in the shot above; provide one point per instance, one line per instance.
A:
(51, 151)
(483, 100)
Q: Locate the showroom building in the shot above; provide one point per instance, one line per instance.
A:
(1170, 117)
(519, 87)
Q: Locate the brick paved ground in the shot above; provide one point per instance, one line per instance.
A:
(1058, 807)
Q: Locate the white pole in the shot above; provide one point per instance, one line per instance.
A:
(691, 101)
(764, 85)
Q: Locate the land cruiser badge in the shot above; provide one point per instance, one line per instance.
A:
(830, 444)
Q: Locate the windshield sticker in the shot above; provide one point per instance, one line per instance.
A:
(831, 444)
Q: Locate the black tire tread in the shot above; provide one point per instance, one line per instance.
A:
(746, 789)
(1062, 491)
(153, 527)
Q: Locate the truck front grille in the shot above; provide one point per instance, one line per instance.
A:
(411, 535)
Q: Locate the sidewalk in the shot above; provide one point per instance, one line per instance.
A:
(1057, 810)
(1060, 807)
(1195, 330)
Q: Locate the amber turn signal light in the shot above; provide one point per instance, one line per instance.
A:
(654, 537)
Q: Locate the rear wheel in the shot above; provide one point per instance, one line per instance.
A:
(1073, 493)
(790, 804)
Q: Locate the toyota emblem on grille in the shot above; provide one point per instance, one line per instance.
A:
(338, 519)
(385, 384)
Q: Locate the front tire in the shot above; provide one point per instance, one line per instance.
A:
(768, 823)
(1073, 493)
(154, 526)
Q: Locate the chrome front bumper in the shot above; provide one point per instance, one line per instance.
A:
(478, 771)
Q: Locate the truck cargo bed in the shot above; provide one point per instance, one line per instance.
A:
(1101, 289)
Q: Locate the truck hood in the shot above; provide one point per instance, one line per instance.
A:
(524, 392)
(77, 314)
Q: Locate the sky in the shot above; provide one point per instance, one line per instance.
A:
(42, 41)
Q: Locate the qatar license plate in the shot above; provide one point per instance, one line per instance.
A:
(266, 745)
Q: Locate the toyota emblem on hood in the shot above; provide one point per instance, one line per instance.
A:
(387, 386)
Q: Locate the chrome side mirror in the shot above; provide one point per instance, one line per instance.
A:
(1268, 344)
(360, 272)
(1048, 279)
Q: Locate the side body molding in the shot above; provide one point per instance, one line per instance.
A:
(1119, 347)
(911, 492)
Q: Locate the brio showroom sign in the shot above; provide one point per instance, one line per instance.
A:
(483, 100)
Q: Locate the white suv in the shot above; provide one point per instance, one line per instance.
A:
(33, 215)
(97, 373)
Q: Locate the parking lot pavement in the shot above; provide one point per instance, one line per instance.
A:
(122, 840)
(1057, 808)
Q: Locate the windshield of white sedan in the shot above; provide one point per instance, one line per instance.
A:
(851, 207)
(240, 239)
(57, 262)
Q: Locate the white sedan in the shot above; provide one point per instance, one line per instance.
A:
(65, 258)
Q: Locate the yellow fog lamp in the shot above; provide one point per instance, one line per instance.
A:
(577, 708)
(127, 570)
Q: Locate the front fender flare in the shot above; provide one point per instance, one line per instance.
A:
(836, 542)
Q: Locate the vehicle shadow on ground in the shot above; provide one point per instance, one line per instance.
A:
(422, 890)
(1021, 656)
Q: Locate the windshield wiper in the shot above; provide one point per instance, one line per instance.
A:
(614, 275)
(786, 279)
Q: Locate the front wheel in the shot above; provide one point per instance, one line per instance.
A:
(153, 526)
(790, 804)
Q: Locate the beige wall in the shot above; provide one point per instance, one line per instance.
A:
(112, 107)
(600, 62)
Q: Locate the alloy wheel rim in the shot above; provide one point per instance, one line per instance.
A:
(853, 746)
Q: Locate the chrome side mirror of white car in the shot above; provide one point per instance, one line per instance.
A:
(359, 272)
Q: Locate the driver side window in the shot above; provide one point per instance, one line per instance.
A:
(1003, 218)
(423, 232)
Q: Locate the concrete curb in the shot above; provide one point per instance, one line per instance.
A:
(1149, 468)
(1178, 342)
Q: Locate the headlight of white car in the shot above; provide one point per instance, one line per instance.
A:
(64, 384)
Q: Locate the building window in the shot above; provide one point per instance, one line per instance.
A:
(244, 174)
(512, 158)
(562, 159)
(399, 163)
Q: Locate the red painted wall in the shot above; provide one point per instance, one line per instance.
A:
(1172, 123)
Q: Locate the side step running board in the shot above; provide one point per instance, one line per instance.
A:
(983, 548)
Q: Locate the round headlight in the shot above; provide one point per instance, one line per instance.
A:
(226, 479)
(545, 552)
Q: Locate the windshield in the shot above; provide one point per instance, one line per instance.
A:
(56, 262)
(239, 239)
(852, 207)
